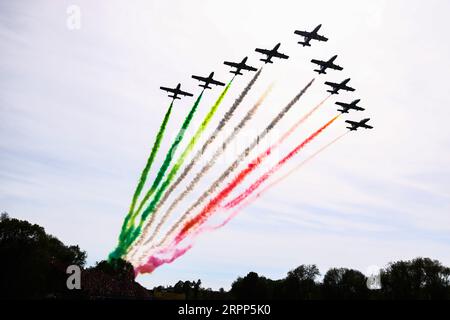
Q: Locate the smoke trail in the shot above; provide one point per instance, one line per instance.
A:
(154, 262)
(185, 153)
(169, 156)
(190, 146)
(280, 179)
(205, 169)
(238, 200)
(209, 209)
(235, 164)
(148, 166)
(124, 238)
(208, 142)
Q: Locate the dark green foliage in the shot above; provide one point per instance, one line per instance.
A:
(251, 286)
(345, 284)
(113, 279)
(421, 278)
(33, 264)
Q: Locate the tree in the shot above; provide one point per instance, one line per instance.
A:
(112, 279)
(4, 216)
(118, 268)
(342, 283)
(33, 263)
(250, 287)
(420, 278)
(300, 283)
(305, 273)
(197, 286)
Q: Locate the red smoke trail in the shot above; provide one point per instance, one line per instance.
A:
(153, 262)
(280, 179)
(245, 204)
(236, 201)
(185, 216)
(209, 209)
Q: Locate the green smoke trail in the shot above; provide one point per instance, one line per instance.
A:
(148, 166)
(185, 153)
(227, 116)
(155, 201)
(168, 158)
(150, 208)
(207, 167)
(235, 164)
(124, 236)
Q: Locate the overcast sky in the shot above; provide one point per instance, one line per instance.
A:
(79, 109)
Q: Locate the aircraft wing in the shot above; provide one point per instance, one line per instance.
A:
(217, 83)
(167, 89)
(249, 68)
(320, 38)
(352, 123)
(331, 84)
(199, 78)
(184, 93)
(318, 62)
(263, 51)
(231, 64)
(335, 67)
(347, 88)
(303, 33)
(280, 55)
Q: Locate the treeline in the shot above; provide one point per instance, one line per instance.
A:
(420, 278)
(33, 266)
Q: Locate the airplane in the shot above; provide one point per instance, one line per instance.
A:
(239, 66)
(358, 124)
(324, 65)
(207, 81)
(348, 106)
(271, 54)
(176, 91)
(313, 35)
(339, 86)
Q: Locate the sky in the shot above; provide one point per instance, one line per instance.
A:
(79, 109)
